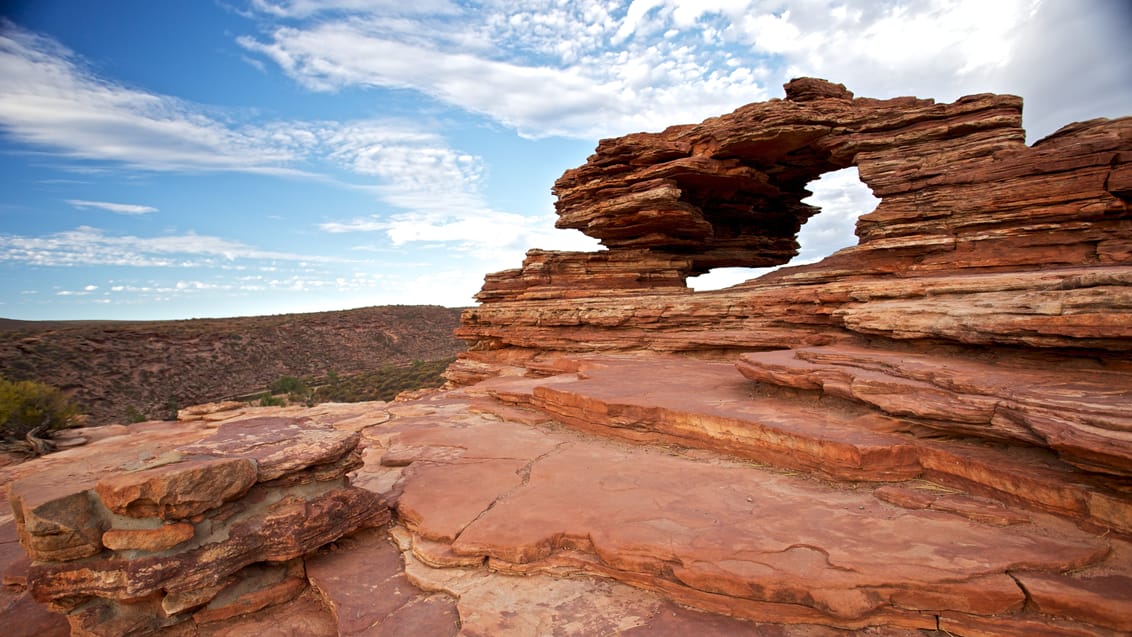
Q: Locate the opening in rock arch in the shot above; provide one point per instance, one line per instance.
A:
(842, 198)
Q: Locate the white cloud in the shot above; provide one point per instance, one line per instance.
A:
(842, 198)
(87, 246)
(416, 170)
(590, 69)
(117, 208)
(304, 8)
(541, 70)
(49, 99)
(495, 239)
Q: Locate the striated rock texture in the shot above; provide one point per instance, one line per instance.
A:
(978, 238)
(1008, 260)
(186, 523)
(976, 340)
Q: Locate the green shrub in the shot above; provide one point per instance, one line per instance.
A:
(267, 400)
(26, 405)
(134, 415)
(384, 384)
(171, 408)
(289, 385)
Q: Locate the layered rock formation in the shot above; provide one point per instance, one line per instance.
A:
(976, 338)
(190, 525)
(978, 238)
(925, 434)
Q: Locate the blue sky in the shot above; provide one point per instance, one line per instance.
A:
(164, 160)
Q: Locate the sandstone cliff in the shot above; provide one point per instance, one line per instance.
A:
(925, 434)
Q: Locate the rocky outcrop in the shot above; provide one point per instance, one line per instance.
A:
(183, 524)
(980, 244)
(978, 238)
(976, 337)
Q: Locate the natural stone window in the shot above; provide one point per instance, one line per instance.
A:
(842, 197)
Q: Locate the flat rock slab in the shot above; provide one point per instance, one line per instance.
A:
(1079, 409)
(494, 604)
(667, 400)
(278, 445)
(361, 579)
(22, 617)
(520, 526)
(663, 399)
(717, 534)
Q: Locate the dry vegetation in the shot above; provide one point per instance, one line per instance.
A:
(122, 371)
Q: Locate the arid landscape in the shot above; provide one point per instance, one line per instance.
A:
(925, 434)
(125, 371)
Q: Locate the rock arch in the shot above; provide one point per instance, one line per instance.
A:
(728, 192)
(841, 197)
(962, 195)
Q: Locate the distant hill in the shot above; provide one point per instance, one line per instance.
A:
(153, 367)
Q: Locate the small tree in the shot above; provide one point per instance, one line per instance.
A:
(133, 414)
(27, 405)
(288, 385)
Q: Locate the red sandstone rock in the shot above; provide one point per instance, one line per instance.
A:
(22, 617)
(305, 615)
(135, 547)
(1079, 410)
(691, 528)
(963, 201)
(161, 538)
(1102, 600)
(363, 582)
(291, 444)
(253, 589)
(179, 490)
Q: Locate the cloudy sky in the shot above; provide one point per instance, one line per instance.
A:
(235, 157)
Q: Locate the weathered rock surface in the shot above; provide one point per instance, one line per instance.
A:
(978, 238)
(186, 531)
(716, 533)
(1080, 409)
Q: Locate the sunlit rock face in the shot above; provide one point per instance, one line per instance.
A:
(981, 246)
(968, 213)
(178, 525)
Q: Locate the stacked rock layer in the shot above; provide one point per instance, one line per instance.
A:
(981, 247)
(976, 337)
(978, 238)
(188, 525)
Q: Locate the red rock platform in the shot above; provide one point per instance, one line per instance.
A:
(660, 495)
(761, 534)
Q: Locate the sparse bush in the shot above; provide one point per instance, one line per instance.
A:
(134, 415)
(267, 400)
(289, 385)
(171, 408)
(384, 384)
(27, 405)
